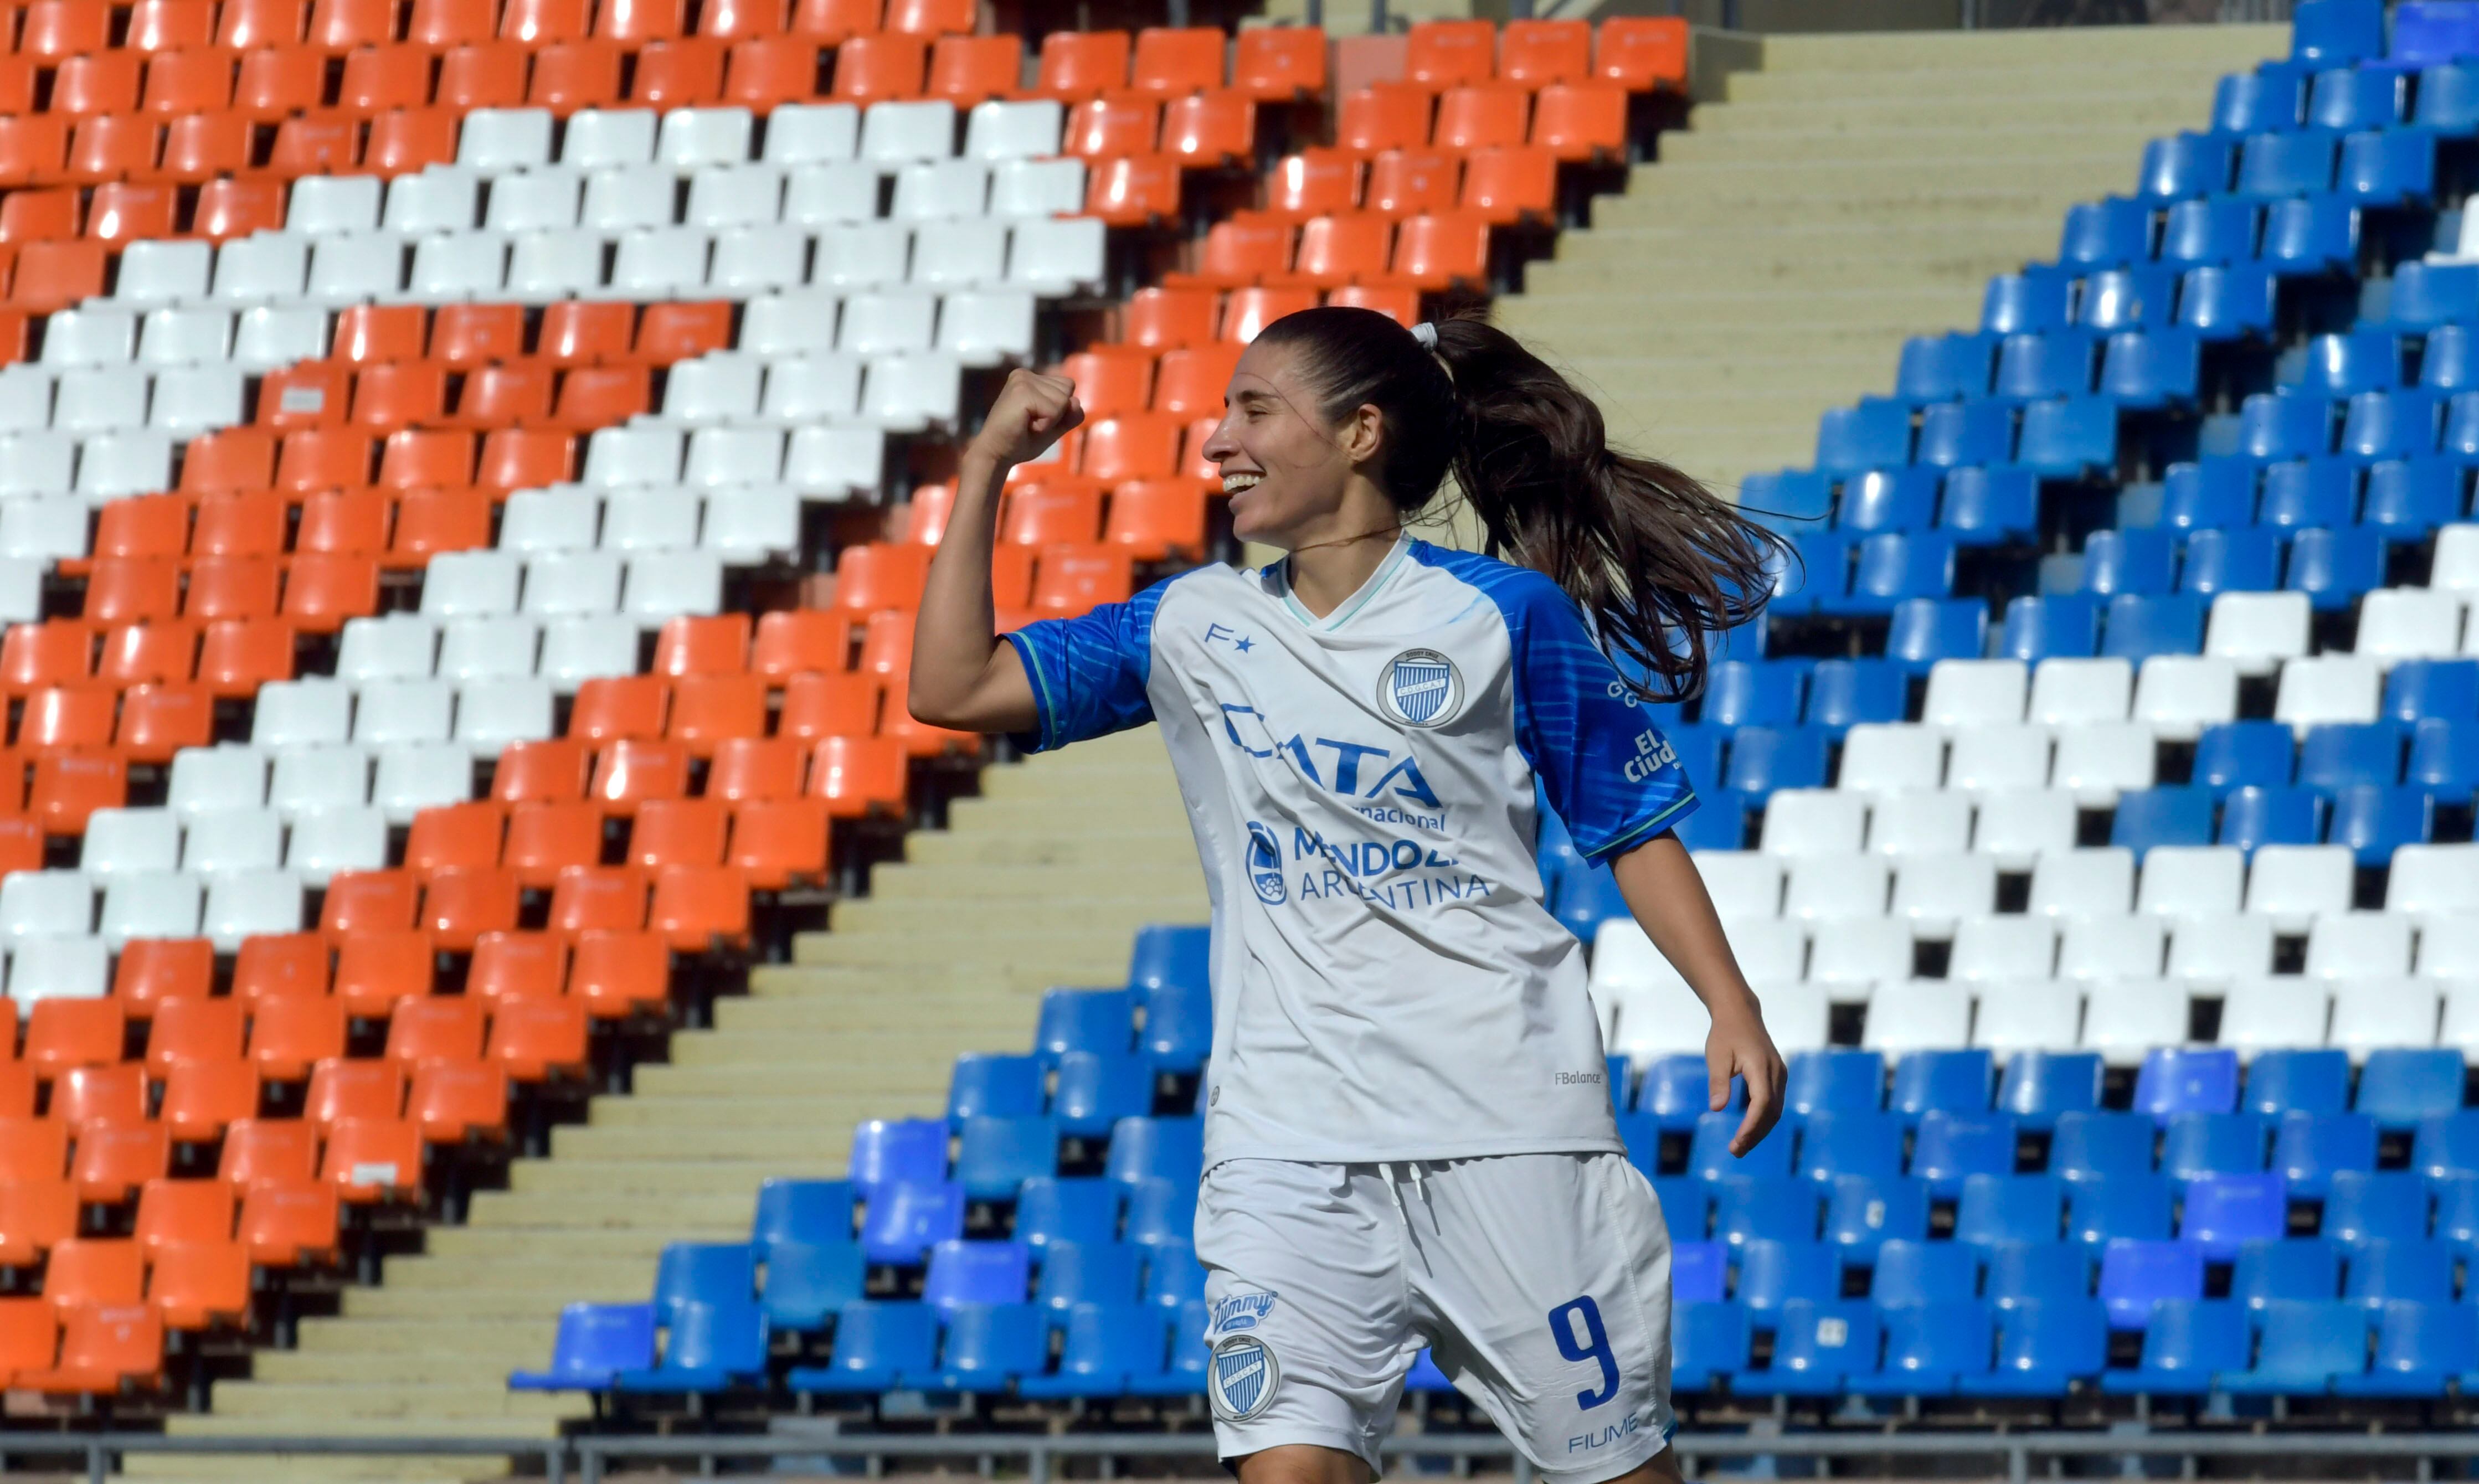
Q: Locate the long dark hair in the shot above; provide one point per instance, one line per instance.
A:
(1660, 562)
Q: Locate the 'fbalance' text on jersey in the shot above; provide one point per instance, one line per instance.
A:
(1387, 982)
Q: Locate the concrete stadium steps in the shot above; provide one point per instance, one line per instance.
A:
(1849, 193)
(949, 953)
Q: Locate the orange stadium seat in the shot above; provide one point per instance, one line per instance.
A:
(517, 966)
(1110, 125)
(835, 21)
(154, 974)
(289, 1037)
(795, 643)
(1581, 120)
(620, 974)
(1132, 190)
(94, 1270)
(1313, 183)
(1443, 54)
(66, 1034)
(1209, 128)
(577, 75)
(640, 20)
(1155, 519)
(544, 839)
(353, 1088)
(763, 71)
(460, 906)
(735, 20)
(1508, 184)
(1642, 53)
(1383, 116)
(445, 1029)
(1477, 116)
(745, 769)
(1407, 182)
(587, 898)
(707, 708)
(124, 212)
(486, 75)
(1172, 61)
(368, 1161)
(163, 25)
(452, 1102)
(33, 1150)
(104, 1347)
(779, 841)
(856, 775)
(195, 1286)
(262, 23)
(697, 907)
(1080, 64)
(1442, 248)
(171, 1212)
(1336, 251)
(534, 1041)
(116, 1155)
(1250, 310)
(1278, 63)
(275, 966)
(376, 972)
(833, 704)
(340, 25)
(1536, 53)
(691, 831)
(139, 653)
(548, 770)
(357, 902)
(262, 1151)
(377, 79)
(55, 30)
(968, 69)
(1194, 378)
(932, 17)
(871, 69)
(287, 1221)
(540, 22)
(30, 1335)
(201, 1099)
(615, 706)
(273, 85)
(194, 1029)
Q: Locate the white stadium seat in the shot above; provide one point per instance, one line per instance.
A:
(2266, 1015)
(2191, 881)
(1918, 1014)
(2220, 948)
(1813, 822)
(2180, 695)
(2014, 946)
(1965, 693)
(2097, 948)
(2036, 1014)
(2002, 756)
(2295, 884)
(2124, 1019)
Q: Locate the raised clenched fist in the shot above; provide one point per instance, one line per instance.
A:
(1033, 412)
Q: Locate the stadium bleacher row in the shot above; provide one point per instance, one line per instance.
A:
(2096, 830)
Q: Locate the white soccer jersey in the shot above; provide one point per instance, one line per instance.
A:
(1388, 982)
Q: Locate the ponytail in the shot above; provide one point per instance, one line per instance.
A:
(1658, 562)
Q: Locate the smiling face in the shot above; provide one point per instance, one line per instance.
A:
(1292, 476)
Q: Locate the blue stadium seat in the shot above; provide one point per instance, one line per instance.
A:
(1178, 1026)
(988, 1346)
(1957, 434)
(1189, 1355)
(1753, 693)
(2101, 1208)
(1675, 1091)
(1865, 1210)
(1084, 1020)
(705, 1272)
(2273, 165)
(2147, 817)
(2100, 1145)
(1850, 1141)
(2421, 1349)
(1720, 822)
(2299, 1081)
(1872, 434)
(2457, 1210)
(1922, 1272)
(2334, 567)
(1161, 1211)
(1820, 1348)
(1709, 1156)
(1707, 1342)
(807, 1284)
(2246, 560)
(2401, 424)
(1983, 506)
(2349, 99)
(2256, 817)
(2302, 1346)
(2043, 1347)
(977, 1272)
(2444, 759)
(1096, 1089)
(2152, 369)
(1952, 1146)
(1927, 629)
(2197, 1144)
(2348, 364)
(993, 1155)
(2461, 426)
(1930, 1349)
(2429, 296)
(2331, 33)
(2365, 1205)
(2038, 1272)
(1838, 1078)
(1817, 569)
(595, 1342)
(1157, 1148)
(2339, 753)
(2301, 1268)
(993, 1085)
(1700, 1271)
(1764, 758)
(1749, 1206)
(1772, 1271)
(1174, 1278)
(2223, 1212)
(2141, 626)
(2025, 303)
(2426, 32)
(2197, 234)
(1892, 567)
(2400, 1086)
(1788, 497)
(1588, 898)
(2416, 1271)
(2300, 493)
(2104, 233)
(2448, 361)
(1686, 1206)
(2051, 625)
(2124, 299)
(2058, 363)
(1089, 1272)
(908, 1151)
(2211, 493)
(1947, 1081)
(2390, 168)
(2038, 1086)
(2140, 562)
(1049, 1209)
(2308, 1149)
(707, 1348)
(2187, 1343)
(1940, 368)
(1888, 499)
(2002, 1209)
(2068, 438)
(904, 1221)
(2285, 425)
(1699, 744)
(875, 1343)
(2448, 100)
(1842, 693)
(2261, 102)
(2408, 499)
(2185, 164)
(2136, 1276)
(2231, 302)
(2447, 1140)
(2188, 1079)
(2375, 821)
(2243, 754)
(1104, 1346)
(1167, 956)
(803, 1211)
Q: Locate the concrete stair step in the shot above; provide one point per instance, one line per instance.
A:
(312, 1404)
(1831, 375)
(1901, 146)
(553, 1216)
(197, 1469)
(1170, 902)
(1971, 264)
(916, 1025)
(824, 1109)
(730, 1181)
(1921, 311)
(2025, 105)
(218, 1425)
(2118, 48)
(528, 1268)
(812, 1048)
(1082, 849)
(855, 1076)
(674, 1143)
(379, 1369)
(909, 884)
(481, 1338)
(1928, 201)
(541, 1302)
(1084, 957)
(2069, 177)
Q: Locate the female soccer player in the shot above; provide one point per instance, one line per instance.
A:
(1408, 1136)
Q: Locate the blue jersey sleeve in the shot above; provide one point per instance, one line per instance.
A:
(1088, 672)
(1605, 767)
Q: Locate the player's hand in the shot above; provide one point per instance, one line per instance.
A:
(1739, 1046)
(1033, 412)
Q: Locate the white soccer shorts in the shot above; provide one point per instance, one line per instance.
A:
(1539, 1282)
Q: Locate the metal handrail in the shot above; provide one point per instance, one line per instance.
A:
(591, 1455)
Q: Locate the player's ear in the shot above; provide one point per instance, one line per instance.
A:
(1362, 433)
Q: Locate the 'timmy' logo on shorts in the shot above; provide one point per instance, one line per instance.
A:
(1240, 1377)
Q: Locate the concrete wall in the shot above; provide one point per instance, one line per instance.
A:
(1764, 15)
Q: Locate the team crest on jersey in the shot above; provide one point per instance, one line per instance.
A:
(1266, 864)
(1420, 688)
(1240, 1377)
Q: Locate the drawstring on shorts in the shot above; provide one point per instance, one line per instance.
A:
(1394, 1176)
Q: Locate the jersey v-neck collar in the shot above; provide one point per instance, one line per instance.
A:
(1279, 576)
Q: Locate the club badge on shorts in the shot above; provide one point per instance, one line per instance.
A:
(1240, 1378)
(1420, 688)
